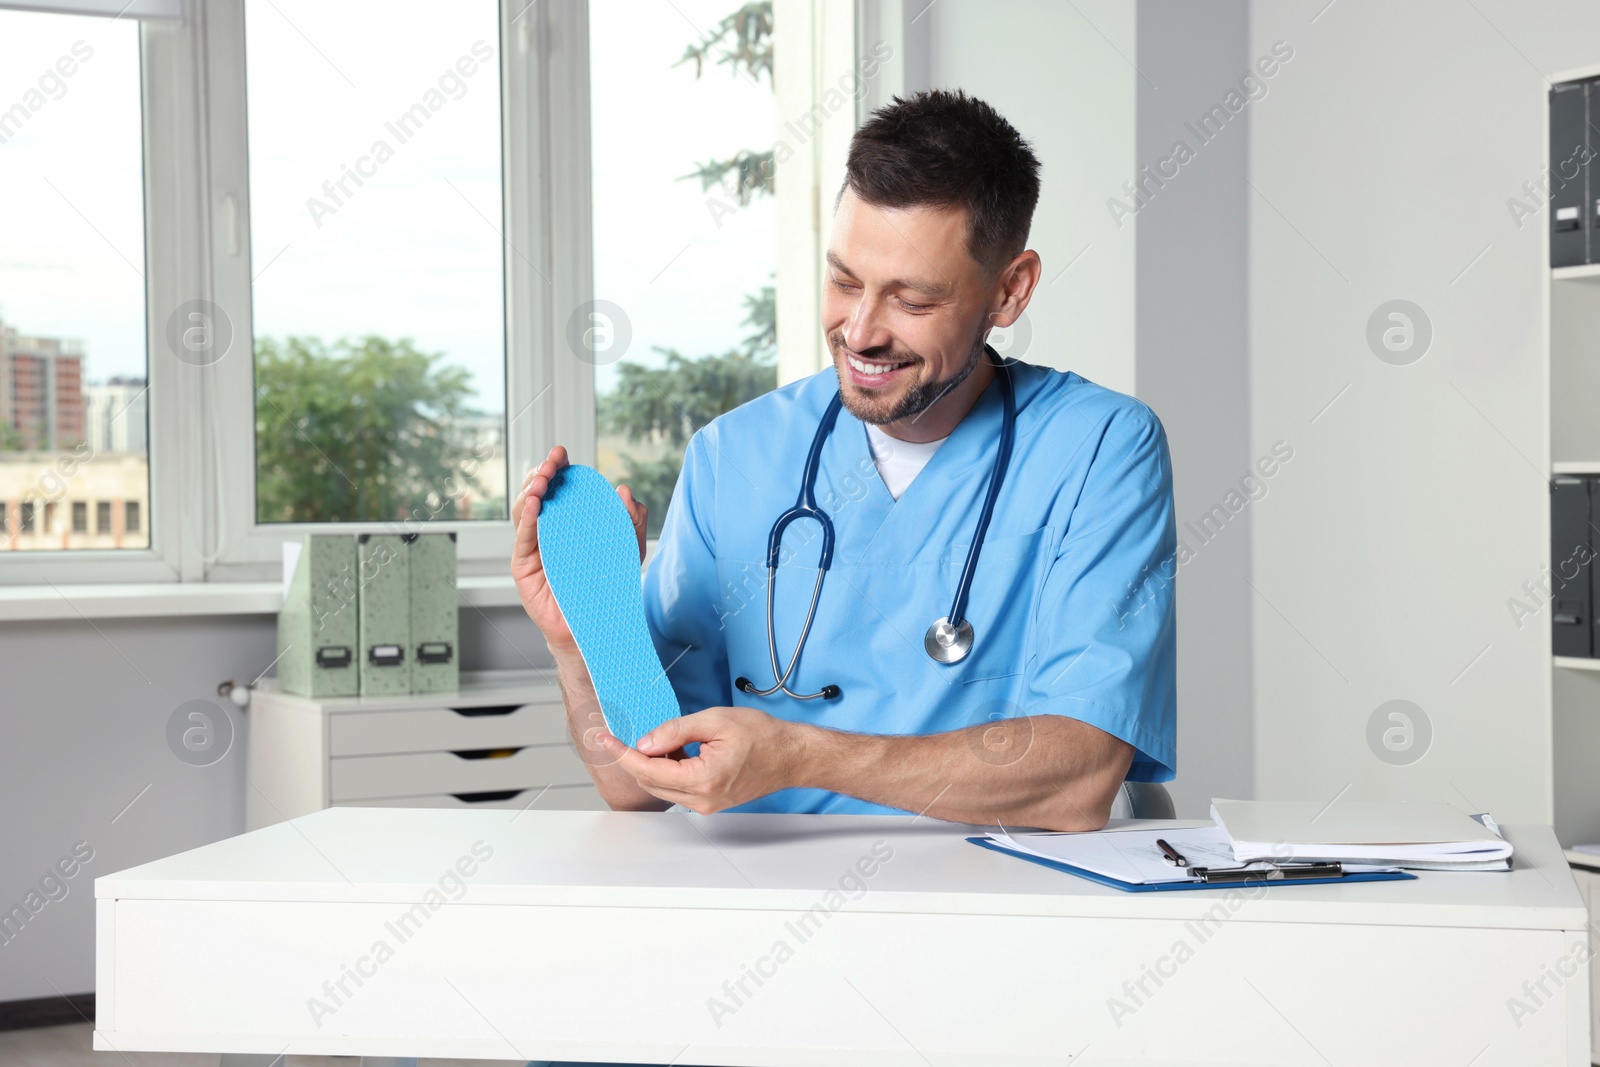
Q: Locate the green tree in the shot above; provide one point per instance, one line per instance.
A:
(742, 42)
(357, 431)
(10, 439)
(666, 404)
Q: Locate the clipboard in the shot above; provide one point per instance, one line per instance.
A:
(1229, 883)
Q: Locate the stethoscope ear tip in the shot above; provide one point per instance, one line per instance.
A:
(744, 685)
(830, 692)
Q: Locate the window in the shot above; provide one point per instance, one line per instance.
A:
(398, 225)
(376, 255)
(72, 267)
(685, 228)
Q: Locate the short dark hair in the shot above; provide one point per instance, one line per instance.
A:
(944, 148)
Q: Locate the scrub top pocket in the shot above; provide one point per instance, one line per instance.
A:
(1002, 606)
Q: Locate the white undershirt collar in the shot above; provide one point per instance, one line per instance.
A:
(898, 461)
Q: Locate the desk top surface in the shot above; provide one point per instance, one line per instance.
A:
(778, 862)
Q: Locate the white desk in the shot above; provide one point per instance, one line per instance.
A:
(606, 936)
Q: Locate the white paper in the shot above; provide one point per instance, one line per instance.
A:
(1422, 835)
(1129, 855)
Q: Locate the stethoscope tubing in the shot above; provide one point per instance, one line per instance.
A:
(806, 508)
(1008, 426)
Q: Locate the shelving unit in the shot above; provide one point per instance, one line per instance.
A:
(1572, 336)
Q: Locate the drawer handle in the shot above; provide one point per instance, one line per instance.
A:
(487, 753)
(439, 652)
(491, 709)
(484, 798)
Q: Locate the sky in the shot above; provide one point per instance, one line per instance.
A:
(415, 250)
(72, 224)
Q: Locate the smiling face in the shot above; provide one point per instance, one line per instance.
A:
(905, 311)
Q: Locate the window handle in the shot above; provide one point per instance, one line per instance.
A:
(230, 215)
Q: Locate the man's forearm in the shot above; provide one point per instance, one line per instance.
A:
(584, 720)
(1045, 771)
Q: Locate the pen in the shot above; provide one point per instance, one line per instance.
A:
(1174, 857)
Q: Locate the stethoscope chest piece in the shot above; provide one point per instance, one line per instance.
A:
(946, 643)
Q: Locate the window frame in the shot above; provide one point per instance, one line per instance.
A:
(201, 518)
(543, 392)
(201, 514)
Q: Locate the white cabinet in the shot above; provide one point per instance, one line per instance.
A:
(500, 741)
(1586, 870)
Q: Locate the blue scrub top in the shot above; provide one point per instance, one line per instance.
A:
(1071, 605)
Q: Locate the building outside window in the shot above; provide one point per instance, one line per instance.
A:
(72, 267)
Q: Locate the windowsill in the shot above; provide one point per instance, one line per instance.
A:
(29, 603)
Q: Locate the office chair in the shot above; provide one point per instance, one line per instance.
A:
(1143, 800)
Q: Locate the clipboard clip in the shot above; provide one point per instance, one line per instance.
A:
(1269, 873)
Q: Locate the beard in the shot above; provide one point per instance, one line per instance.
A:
(917, 397)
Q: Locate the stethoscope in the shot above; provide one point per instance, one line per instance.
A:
(948, 639)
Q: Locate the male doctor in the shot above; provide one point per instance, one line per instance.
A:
(1068, 689)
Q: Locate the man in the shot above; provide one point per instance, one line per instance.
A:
(1068, 688)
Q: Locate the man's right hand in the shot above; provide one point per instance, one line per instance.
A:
(527, 569)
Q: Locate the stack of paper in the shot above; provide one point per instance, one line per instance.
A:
(1429, 837)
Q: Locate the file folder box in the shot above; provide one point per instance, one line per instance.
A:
(383, 603)
(317, 624)
(435, 618)
(1571, 579)
(1570, 219)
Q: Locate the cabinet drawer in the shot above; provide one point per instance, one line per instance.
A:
(556, 798)
(374, 733)
(431, 773)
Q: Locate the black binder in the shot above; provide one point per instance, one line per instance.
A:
(1570, 223)
(1571, 578)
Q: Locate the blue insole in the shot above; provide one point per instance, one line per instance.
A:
(591, 560)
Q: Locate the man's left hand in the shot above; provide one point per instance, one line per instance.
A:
(744, 754)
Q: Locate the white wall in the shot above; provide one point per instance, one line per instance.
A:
(85, 710)
(1155, 303)
(1378, 562)
(1415, 505)
(1191, 366)
(1046, 67)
